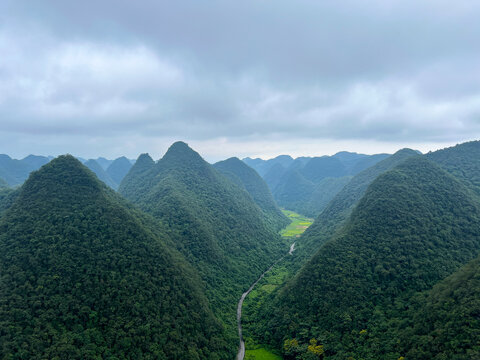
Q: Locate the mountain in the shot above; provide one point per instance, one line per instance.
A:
(85, 277)
(133, 181)
(3, 183)
(303, 187)
(462, 161)
(118, 169)
(273, 175)
(340, 207)
(322, 194)
(216, 224)
(415, 225)
(13, 171)
(101, 174)
(262, 166)
(246, 177)
(104, 163)
(34, 162)
(444, 322)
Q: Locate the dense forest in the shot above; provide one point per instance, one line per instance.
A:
(415, 225)
(83, 277)
(247, 178)
(388, 270)
(214, 223)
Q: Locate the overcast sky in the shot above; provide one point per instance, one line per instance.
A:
(237, 78)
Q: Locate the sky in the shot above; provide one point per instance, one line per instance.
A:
(254, 78)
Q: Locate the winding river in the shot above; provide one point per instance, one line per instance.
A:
(241, 348)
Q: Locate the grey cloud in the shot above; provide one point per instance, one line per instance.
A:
(381, 71)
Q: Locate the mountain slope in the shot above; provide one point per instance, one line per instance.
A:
(118, 169)
(82, 277)
(131, 183)
(444, 322)
(263, 166)
(462, 161)
(340, 207)
(216, 224)
(247, 178)
(415, 225)
(308, 184)
(101, 174)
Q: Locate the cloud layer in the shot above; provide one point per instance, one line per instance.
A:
(237, 78)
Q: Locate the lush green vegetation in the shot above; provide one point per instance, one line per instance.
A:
(308, 184)
(118, 169)
(442, 323)
(414, 226)
(339, 209)
(84, 277)
(272, 280)
(7, 197)
(214, 223)
(248, 179)
(297, 226)
(3, 183)
(100, 173)
(261, 354)
(462, 161)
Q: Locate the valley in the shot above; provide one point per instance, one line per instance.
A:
(182, 259)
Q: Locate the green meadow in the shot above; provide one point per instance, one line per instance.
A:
(298, 225)
(261, 354)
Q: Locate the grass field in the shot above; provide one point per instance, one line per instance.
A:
(261, 354)
(298, 225)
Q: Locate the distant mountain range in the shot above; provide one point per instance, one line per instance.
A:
(14, 172)
(307, 184)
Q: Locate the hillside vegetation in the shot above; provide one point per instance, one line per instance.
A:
(215, 223)
(247, 178)
(83, 277)
(414, 226)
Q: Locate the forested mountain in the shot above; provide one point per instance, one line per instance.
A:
(135, 178)
(263, 166)
(441, 323)
(462, 161)
(118, 169)
(247, 178)
(340, 207)
(307, 185)
(3, 183)
(15, 172)
(84, 277)
(415, 225)
(216, 224)
(103, 162)
(101, 174)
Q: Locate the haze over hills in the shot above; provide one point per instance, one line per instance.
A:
(118, 169)
(415, 225)
(215, 223)
(100, 173)
(15, 172)
(83, 276)
(307, 184)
